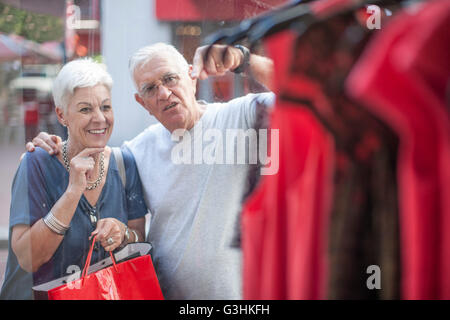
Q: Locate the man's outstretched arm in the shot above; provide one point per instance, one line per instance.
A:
(223, 58)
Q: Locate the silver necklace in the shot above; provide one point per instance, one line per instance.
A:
(94, 184)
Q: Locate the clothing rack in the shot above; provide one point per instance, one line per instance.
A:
(356, 170)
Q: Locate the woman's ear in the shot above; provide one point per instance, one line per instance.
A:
(60, 115)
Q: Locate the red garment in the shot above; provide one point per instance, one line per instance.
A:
(403, 78)
(290, 207)
(282, 210)
(31, 113)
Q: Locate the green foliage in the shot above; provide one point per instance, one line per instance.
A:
(97, 58)
(32, 26)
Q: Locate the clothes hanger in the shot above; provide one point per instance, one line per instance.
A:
(238, 33)
(268, 23)
(234, 34)
(301, 16)
(298, 15)
(281, 18)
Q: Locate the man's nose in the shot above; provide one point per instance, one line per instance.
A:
(163, 92)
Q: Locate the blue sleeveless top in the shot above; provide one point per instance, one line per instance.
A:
(39, 182)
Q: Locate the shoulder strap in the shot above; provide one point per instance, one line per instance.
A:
(120, 165)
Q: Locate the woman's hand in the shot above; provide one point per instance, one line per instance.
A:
(80, 165)
(110, 233)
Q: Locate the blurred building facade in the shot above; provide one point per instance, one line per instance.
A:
(112, 30)
(127, 26)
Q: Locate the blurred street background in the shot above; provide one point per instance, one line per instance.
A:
(9, 159)
(38, 36)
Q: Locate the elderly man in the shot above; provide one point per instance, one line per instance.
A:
(194, 205)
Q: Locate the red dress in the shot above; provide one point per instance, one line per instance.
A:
(293, 247)
(403, 78)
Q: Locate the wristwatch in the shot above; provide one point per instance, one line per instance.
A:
(245, 62)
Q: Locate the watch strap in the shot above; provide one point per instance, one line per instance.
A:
(245, 61)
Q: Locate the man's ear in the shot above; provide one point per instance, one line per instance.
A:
(139, 100)
(194, 80)
(60, 115)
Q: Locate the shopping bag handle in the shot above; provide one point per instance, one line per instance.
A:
(88, 259)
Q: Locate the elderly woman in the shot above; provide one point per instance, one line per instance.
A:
(59, 202)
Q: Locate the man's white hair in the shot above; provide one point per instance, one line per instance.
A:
(144, 55)
(79, 73)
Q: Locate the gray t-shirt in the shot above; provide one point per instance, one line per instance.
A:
(194, 194)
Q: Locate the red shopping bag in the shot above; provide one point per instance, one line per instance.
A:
(133, 279)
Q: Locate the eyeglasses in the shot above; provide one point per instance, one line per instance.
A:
(169, 81)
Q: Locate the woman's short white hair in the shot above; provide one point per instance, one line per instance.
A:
(141, 57)
(79, 73)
